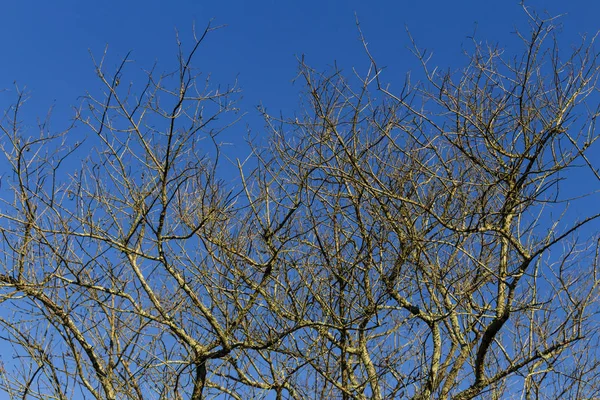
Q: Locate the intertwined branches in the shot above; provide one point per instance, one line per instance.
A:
(385, 245)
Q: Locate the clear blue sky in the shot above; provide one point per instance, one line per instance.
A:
(45, 43)
(46, 46)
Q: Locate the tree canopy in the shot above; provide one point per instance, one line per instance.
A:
(378, 244)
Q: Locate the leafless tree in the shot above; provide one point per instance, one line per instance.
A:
(412, 244)
(114, 281)
(431, 234)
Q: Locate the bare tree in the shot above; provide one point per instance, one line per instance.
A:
(431, 230)
(113, 273)
(384, 245)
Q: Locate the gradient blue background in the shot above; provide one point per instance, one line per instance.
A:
(45, 45)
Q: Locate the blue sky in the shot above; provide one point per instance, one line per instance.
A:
(46, 44)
